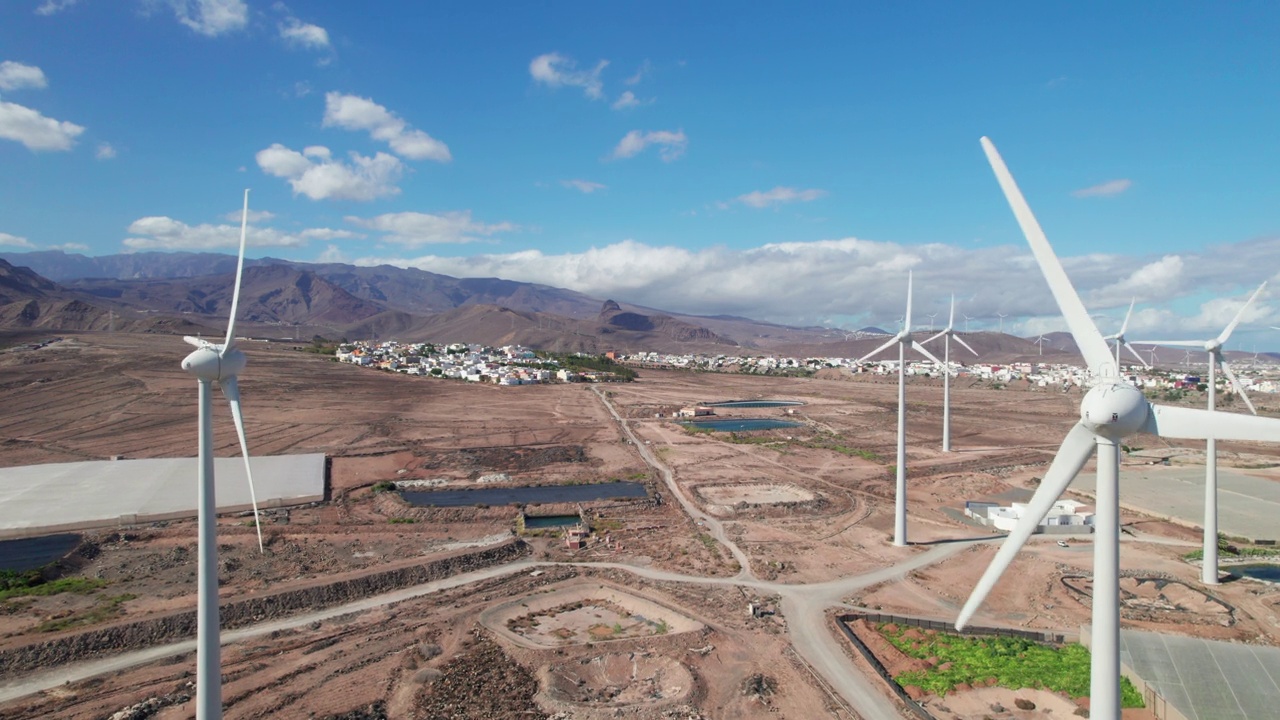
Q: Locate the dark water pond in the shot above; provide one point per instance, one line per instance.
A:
(32, 553)
(534, 522)
(742, 424)
(1257, 572)
(541, 494)
(754, 403)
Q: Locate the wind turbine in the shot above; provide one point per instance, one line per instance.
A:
(966, 322)
(1209, 566)
(1110, 411)
(1119, 338)
(947, 333)
(902, 339)
(1002, 316)
(931, 317)
(223, 363)
(1040, 341)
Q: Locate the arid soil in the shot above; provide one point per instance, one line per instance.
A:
(94, 396)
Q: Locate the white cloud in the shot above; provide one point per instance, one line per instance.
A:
(640, 73)
(105, 151)
(1106, 189)
(556, 70)
(625, 100)
(300, 34)
(255, 216)
(328, 234)
(15, 241)
(584, 186)
(49, 7)
(415, 228)
(672, 144)
(165, 233)
(70, 247)
(332, 254)
(351, 112)
(778, 196)
(211, 18)
(864, 281)
(16, 75)
(34, 130)
(320, 178)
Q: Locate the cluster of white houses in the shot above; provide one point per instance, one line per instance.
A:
(1065, 517)
(507, 365)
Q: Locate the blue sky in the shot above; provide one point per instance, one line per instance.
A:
(787, 163)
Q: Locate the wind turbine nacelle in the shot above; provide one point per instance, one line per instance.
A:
(205, 363)
(1114, 410)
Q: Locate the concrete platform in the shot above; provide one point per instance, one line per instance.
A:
(64, 497)
(1248, 503)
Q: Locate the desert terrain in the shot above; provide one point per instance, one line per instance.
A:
(364, 606)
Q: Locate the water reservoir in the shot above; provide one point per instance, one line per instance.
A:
(36, 552)
(524, 495)
(753, 403)
(539, 522)
(741, 424)
(1260, 571)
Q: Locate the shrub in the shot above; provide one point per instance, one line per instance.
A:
(384, 486)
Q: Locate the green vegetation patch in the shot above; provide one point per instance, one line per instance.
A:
(1015, 663)
(105, 609)
(1227, 550)
(32, 583)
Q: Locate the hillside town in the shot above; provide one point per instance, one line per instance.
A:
(507, 365)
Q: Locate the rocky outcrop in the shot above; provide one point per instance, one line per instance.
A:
(240, 613)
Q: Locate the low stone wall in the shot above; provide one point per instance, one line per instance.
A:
(240, 613)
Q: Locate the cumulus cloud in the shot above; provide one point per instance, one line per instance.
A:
(779, 196)
(864, 281)
(105, 151)
(305, 35)
(625, 100)
(50, 7)
(416, 228)
(1106, 189)
(555, 70)
(70, 247)
(211, 18)
(640, 73)
(583, 186)
(317, 175)
(34, 130)
(165, 233)
(352, 112)
(16, 75)
(14, 241)
(671, 144)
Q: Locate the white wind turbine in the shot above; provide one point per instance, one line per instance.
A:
(223, 363)
(902, 339)
(1111, 410)
(1002, 316)
(1209, 567)
(947, 333)
(1040, 341)
(1120, 340)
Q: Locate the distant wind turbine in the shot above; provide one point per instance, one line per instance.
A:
(902, 339)
(966, 323)
(1119, 338)
(947, 333)
(1002, 316)
(1040, 341)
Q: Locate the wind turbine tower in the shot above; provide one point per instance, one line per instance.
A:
(1209, 566)
(1002, 316)
(947, 333)
(220, 363)
(1111, 411)
(902, 339)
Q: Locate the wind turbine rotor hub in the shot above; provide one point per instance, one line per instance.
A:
(206, 364)
(1114, 410)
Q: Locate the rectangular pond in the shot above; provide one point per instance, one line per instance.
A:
(753, 403)
(528, 494)
(539, 522)
(741, 424)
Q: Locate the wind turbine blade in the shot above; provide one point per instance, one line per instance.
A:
(920, 349)
(1135, 354)
(951, 321)
(1226, 369)
(235, 296)
(198, 342)
(1197, 424)
(231, 388)
(1074, 453)
(1088, 339)
(1125, 325)
(1226, 333)
(960, 340)
(893, 340)
(906, 321)
(1173, 343)
(937, 335)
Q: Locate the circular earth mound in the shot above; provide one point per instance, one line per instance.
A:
(619, 679)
